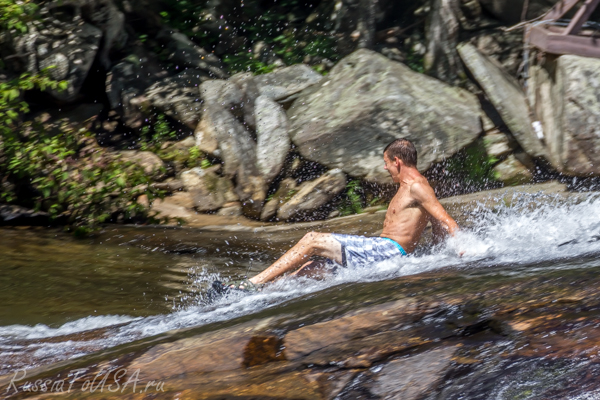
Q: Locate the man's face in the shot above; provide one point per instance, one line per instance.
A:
(392, 166)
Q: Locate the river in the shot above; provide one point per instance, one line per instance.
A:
(64, 298)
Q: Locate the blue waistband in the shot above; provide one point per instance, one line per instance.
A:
(398, 246)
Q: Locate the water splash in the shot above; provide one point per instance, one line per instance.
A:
(523, 232)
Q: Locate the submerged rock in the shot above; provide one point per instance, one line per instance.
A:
(367, 101)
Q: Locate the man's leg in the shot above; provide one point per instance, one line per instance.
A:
(312, 244)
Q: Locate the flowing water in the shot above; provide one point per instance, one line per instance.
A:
(63, 297)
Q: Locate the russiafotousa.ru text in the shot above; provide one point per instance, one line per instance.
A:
(111, 381)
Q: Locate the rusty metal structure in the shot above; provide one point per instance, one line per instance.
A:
(575, 36)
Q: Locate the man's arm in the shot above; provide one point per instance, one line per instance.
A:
(440, 220)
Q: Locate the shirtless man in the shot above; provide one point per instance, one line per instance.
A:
(408, 213)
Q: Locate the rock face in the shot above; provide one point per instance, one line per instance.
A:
(506, 96)
(284, 84)
(312, 195)
(366, 102)
(70, 46)
(208, 190)
(273, 141)
(565, 96)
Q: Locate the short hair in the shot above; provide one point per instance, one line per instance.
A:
(404, 149)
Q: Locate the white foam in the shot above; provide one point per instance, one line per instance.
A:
(508, 236)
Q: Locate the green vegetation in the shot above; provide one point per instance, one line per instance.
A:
(352, 202)
(474, 166)
(153, 135)
(16, 14)
(67, 174)
(280, 25)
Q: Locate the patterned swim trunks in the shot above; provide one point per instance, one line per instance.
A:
(362, 250)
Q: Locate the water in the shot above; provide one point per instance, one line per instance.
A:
(63, 298)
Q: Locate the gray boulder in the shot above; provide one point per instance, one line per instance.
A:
(208, 190)
(69, 46)
(506, 96)
(244, 81)
(175, 207)
(367, 101)
(285, 84)
(178, 96)
(313, 194)
(221, 134)
(105, 15)
(567, 104)
(273, 141)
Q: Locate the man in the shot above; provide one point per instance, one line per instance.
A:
(408, 213)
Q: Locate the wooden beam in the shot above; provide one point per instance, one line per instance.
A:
(581, 17)
(557, 43)
(559, 9)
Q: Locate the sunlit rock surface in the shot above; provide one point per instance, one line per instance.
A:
(507, 97)
(366, 101)
(313, 194)
(273, 141)
(565, 96)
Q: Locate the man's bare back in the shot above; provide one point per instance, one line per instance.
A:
(413, 206)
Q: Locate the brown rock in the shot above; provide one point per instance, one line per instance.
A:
(371, 320)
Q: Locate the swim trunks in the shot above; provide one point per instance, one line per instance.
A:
(362, 250)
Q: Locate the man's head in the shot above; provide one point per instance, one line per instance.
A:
(400, 153)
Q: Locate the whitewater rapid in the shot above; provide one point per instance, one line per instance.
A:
(515, 235)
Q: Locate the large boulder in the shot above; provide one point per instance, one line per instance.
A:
(178, 96)
(565, 96)
(69, 45)
(367, 101)
(313, 194)
(221, 92)
(273, 141)
(507, 97)
(221, 134)
(286, 83)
